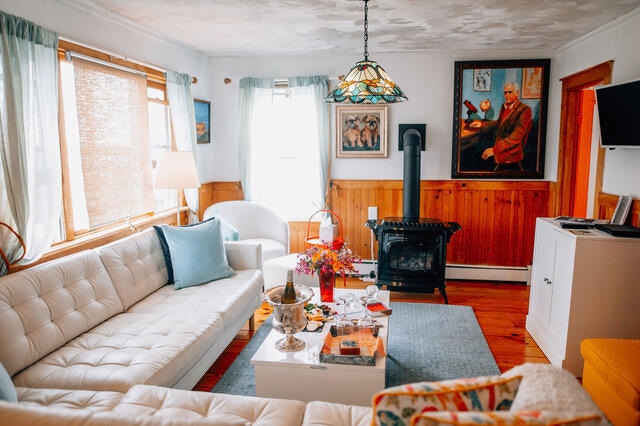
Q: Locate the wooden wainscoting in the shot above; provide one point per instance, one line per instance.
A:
(497, 217)
(215, 192)
(606, 205)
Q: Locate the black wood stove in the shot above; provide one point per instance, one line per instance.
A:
(412, 251)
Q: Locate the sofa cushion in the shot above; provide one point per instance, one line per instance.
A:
(196, 252)
(153, 405)
(321, 413)
(229, 232)
(228, 297)
(616, 360)
(396, 405)
(217, 408)
(136, 266)
(128, 349)
(7, 390)
(46, 306)
(76, 399)
(534, 418)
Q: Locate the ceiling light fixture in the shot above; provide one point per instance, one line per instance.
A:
(367, 82)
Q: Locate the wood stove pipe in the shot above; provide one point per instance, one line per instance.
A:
(411, 180)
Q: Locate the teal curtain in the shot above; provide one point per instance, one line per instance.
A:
(30, 179)
(258, 98)
(183, 120)
(320, 87)
(251, 91)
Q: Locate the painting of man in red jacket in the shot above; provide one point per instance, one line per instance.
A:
(510, 130)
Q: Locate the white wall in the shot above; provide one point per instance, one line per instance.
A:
(426, 78)
(617, 41)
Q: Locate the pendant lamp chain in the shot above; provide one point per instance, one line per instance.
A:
(366, 29)
(366, 82)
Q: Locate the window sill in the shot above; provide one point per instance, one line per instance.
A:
(100, 238)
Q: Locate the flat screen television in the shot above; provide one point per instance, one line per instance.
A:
(618, 113)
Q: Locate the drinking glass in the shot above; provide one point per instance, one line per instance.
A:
(344, 325)
(372, 293)
(366, 320)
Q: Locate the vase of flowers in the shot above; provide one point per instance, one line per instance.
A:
(326, 282)
(327, 260)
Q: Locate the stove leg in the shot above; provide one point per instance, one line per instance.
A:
(443, 292)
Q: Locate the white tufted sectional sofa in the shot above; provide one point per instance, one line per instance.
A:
(98, 338)
(104, 319)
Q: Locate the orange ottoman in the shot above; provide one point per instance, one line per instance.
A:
(611, 375)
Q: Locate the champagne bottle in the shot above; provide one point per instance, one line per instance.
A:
(289, 294)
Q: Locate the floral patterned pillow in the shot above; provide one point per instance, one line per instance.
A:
(394, 406)
(502, 418)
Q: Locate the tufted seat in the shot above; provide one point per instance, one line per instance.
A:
(127, 349)
(105, 319)
(544, 389)
(144, 404)
(43, 309)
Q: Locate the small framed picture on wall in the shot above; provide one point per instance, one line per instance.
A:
(361, 131)
(203, 120)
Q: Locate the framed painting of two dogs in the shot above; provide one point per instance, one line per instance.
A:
(361, 131)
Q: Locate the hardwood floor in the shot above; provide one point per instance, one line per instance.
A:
(500, 308)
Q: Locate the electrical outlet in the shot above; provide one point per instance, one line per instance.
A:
(372, 213)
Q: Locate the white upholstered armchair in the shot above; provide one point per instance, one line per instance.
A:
(255, 223)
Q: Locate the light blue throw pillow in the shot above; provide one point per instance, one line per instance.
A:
(229, 232)
(196, 253)
(7, 389)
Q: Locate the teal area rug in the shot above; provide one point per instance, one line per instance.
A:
(427, 342)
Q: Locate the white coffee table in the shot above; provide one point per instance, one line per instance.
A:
(301, 375)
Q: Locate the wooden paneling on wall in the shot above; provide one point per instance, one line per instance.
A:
(497, 217)
(214, 192)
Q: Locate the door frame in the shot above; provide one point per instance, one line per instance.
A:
(572, 87)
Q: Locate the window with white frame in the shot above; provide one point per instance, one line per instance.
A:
(285, 166)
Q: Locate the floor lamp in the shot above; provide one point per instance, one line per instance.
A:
(177, 170)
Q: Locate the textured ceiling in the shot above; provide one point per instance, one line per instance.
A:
(272, 27)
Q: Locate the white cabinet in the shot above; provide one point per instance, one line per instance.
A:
(584, 283)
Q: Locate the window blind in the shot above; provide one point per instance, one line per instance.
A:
(113, 136)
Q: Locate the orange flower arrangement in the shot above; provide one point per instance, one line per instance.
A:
(323, 259)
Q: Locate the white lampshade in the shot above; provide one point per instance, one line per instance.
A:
(177, 170)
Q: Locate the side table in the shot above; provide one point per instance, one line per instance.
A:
(301, 375)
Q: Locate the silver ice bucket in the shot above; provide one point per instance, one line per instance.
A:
(289, 318)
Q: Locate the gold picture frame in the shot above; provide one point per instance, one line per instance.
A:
(361, 131)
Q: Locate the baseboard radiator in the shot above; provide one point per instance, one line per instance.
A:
(472, 272)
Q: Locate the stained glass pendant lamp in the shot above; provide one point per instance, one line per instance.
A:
(367, 82)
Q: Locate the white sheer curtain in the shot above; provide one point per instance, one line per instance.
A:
(30, 182)
(183, 118)
(255, 98)
(284, 144)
